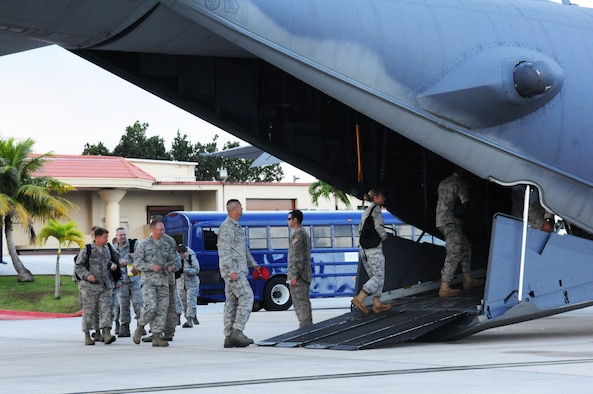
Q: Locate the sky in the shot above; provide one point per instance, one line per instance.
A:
(62, 101)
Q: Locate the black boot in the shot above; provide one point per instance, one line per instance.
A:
(124, 330)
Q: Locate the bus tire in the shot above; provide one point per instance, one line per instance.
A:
(257, 305)
(277, 295)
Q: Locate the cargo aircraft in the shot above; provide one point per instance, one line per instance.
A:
(388, 93)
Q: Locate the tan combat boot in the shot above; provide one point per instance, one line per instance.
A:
(238, 339)
(358, 301)
(446, 292)
(138, 334)
(379, 307)
(87, 339)
(470, 283)
(107, 337)
(158, 341)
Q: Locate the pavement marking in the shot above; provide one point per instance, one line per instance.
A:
(365, 374)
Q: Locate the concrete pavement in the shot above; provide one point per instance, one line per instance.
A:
(550, 355)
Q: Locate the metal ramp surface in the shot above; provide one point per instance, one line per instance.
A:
(410, 318)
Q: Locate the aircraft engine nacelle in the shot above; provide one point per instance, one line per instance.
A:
(493, 87)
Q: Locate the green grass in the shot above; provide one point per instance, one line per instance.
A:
(39, 296)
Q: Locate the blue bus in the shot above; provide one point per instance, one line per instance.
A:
(334, 253)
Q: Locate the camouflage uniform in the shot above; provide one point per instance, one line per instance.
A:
(188, 284)
(172, 318)
(130, 290)
(155, 285)
(536, 213)
(234, 257)
(95, 297)
(299, 267)
(453, 191)
(373, 259)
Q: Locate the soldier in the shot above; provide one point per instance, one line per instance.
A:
(130, 291)
(373, 258)
(172, 316)
(156, 259)
(299, 268)
(452, 205)
(234, 261)
(188, 284)
(96, 286)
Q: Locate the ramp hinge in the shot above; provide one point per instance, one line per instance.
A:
(566, 300)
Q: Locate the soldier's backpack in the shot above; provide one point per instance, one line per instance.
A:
(369, 238)
(116, 275)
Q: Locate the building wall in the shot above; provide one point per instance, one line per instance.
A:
(209, 197)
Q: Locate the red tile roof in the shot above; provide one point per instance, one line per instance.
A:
(78, 166)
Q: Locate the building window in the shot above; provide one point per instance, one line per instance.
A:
(154, 211)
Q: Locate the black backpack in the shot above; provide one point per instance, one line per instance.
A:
(116, 275)
(369, 238)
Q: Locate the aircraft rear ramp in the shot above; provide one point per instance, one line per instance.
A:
(410, 318)
(557, 278)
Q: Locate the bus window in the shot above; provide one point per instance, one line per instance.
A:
(322, 237)
(405, 231)
(210, 238)
(279, 237)
(258, 238)
(343, 235)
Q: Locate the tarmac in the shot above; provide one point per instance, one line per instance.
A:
(48, 355)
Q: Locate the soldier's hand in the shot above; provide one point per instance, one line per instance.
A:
(122, 263)
(234, 276)
(293, 281)
(91, 278)
(156, 268)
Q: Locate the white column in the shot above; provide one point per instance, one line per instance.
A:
(112, 197)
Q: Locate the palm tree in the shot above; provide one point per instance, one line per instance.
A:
(321, 189)
(66, 234)
(25, 198)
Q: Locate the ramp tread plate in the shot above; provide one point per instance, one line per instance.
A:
(398, 333)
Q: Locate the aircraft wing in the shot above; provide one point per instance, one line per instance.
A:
(363, 94)
(250, 152)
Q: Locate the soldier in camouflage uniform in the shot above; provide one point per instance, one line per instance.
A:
(188, 284)
(234, 262)
(373, 259)
(299, 269)
(156, 259)
(172, 316)
(130, 291)
(452, 204)
(96, 286)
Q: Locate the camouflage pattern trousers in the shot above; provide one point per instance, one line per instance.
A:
(95, 303)
(188, 299)
(458, 250)
(171, 319)
(238, 304)
(130, 293)
(154, 310)
(301, 302)
(373, 260)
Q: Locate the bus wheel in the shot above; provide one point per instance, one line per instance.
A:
(257, 305)
(277, 295)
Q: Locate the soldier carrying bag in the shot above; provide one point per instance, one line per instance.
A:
(369, 238)
(116, 275)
